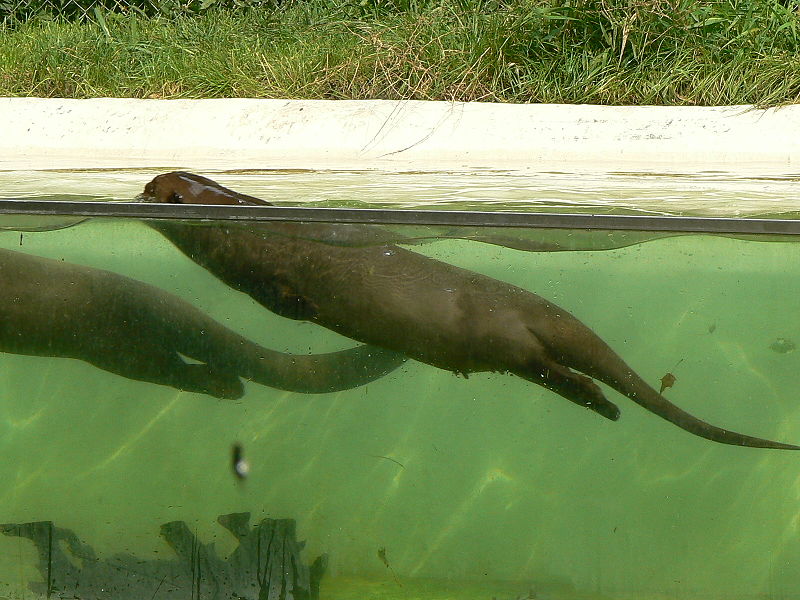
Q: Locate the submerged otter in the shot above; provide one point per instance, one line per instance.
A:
(434, 312)
(121, 325)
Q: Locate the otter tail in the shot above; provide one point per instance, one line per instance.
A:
(613, 371)
(319, 373)
(225, 351)
(645, 396)
(572, 345)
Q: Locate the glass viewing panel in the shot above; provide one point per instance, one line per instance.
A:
(185, 403)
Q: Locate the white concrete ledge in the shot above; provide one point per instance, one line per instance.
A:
(40, 133)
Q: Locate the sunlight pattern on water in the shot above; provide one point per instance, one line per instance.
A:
(130, 443)
(460, 515)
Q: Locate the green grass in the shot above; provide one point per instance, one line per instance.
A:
(575, 51)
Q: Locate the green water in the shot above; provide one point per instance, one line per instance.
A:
(502, 487)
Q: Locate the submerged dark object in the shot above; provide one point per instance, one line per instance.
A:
(782, 346)
(431, 311)
(382, 556)
(385, 561)
(667, 381)
(266, 565)
(239, 465)
(124, 326)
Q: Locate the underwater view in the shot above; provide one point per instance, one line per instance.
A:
(284, 410)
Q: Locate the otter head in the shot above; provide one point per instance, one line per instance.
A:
(180, 187)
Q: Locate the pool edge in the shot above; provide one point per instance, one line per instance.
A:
(386, 135)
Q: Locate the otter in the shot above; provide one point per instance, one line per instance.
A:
(127, 327)
(431, 311)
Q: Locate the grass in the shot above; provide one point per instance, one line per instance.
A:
(675, 52)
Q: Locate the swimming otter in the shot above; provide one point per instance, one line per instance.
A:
(431, 311)
(121, 325)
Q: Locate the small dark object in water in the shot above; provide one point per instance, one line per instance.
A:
(265, 564)
(382, 556)
(241, 468)
(531, 595)
(782, 346)
(385, 561)
(668, 380)
(397, 462)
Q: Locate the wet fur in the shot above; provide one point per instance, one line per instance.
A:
(124, 326)
(434, 312)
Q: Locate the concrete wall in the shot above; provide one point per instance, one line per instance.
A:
(391, 135)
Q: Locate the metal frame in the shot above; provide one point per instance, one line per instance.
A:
(192, 212)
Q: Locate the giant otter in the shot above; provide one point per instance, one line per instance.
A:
(121, 325)
(434, 312)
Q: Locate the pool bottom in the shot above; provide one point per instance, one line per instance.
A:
(390, 588)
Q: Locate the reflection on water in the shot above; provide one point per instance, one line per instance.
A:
(489, 487)
(707, 193)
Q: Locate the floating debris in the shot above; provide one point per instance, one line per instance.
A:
(382, 556)
(668, 380)
(782, 346)
(397, 462)
(531, 595)
(385, 561)
(240, 467)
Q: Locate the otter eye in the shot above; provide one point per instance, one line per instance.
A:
(176, 198)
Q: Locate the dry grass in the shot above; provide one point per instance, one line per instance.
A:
(595, 51)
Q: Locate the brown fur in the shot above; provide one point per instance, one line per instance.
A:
(53, 308)
(434, 312)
